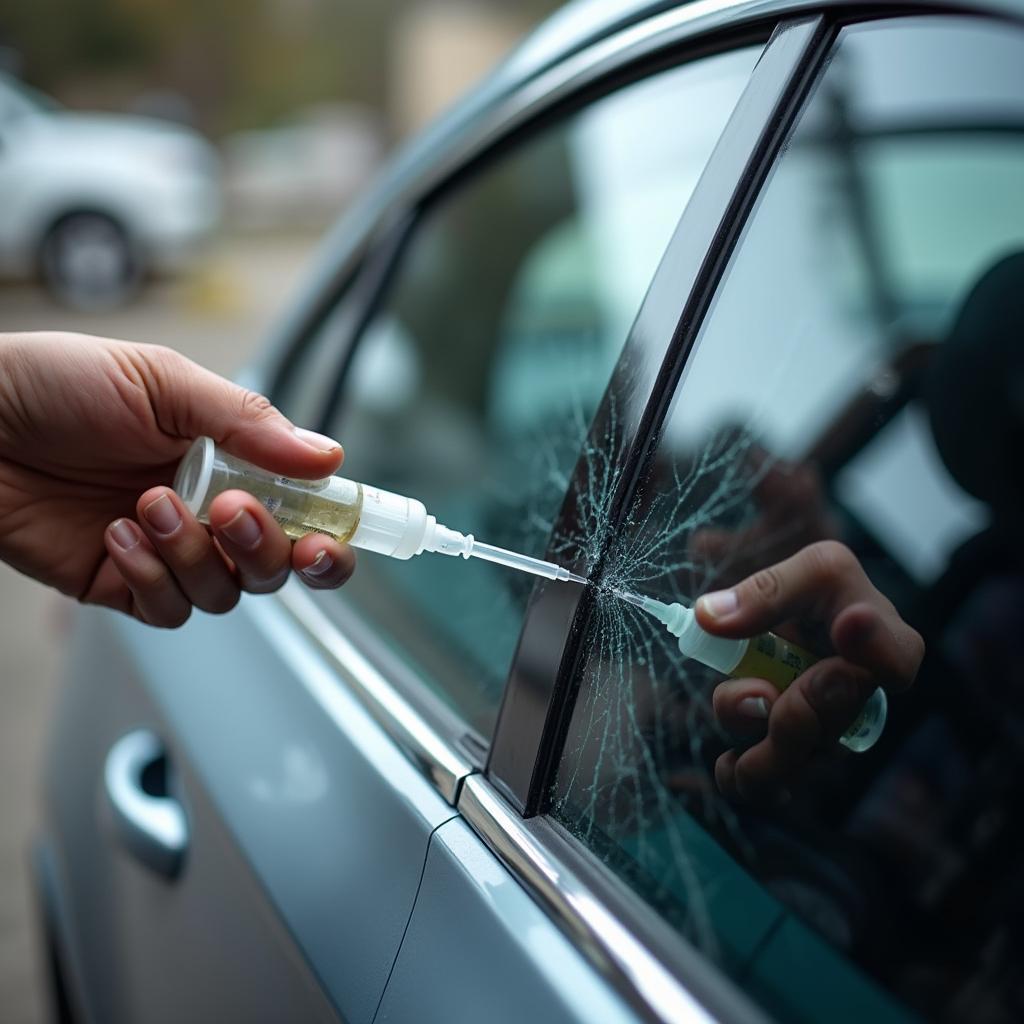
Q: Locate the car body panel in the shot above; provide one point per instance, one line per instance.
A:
(479, 948)
(332, 819)
(206, 946)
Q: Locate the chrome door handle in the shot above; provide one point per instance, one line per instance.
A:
(150, 823)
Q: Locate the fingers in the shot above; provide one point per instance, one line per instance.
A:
(809, 717)
(157, 599)
(814, 583)
(263, 556)
(187, 550)
(742, 706)
(321, 562)
(825, 584)
(822, 585)
(252, 540)
(170, 562)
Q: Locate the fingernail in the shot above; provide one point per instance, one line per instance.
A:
(318, 441)
(243, 530)
(125, 534)
(720, 603)
(320, 566)
(162, 515)
(753, 707)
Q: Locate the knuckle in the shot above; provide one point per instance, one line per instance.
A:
(166, 366)
(191, 555)
(834, 697)
(830, 560)
(256, 405)
(150, 576)
(766, 585)
(794, 725)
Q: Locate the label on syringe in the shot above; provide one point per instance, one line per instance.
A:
(772, 658)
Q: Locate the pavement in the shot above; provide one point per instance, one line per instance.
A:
(217, 315)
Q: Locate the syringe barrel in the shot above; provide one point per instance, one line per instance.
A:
(391, 524)
(366, 517)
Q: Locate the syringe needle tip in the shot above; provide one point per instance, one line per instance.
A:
(573, 578)
(631, 598)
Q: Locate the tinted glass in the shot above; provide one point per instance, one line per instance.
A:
(859, 377)
(473, 384)
(304, 385)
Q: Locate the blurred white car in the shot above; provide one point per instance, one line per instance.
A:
(93, 203)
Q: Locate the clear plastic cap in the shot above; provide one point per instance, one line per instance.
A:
(195, 472)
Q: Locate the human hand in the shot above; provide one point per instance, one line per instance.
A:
(88, 424)
(822, 599)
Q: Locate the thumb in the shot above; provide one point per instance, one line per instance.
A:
(815, 584)
(190, 401)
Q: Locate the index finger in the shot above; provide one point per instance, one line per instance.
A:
(824, 583)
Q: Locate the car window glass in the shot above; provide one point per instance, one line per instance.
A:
(303, 385)
(472, 385)
(858, 378)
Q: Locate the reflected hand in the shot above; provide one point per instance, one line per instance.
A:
(86, 424)
(822, 592)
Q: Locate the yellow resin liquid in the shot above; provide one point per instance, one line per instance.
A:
(770, 657)
(299, 507)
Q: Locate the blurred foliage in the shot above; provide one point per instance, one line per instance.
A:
(240, 63)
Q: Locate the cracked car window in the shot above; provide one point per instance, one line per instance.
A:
(859, 377)
(495, 341)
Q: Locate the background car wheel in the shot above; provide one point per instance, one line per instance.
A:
(89, 262)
